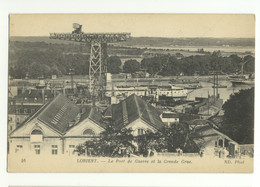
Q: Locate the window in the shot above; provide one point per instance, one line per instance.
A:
(220, 143)
(141, 132)
(29, 110)
(36, 135)
(18, 148)
(21, 111)
(54, 149)
(89, 132)
(72, 146)
(25, 111)
(226, 143)
(37, 149)
(36, 132)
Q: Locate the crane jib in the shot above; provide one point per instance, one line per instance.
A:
(88, 37)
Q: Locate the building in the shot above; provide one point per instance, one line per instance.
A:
(56, 128)
(172, 91)
(17, 114)
(170, 118)
(23, 105)
(135, 113)
(127, 91)
(212, 142)
(34, 97)
(157, 92)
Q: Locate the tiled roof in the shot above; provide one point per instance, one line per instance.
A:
(36, 93)
(207, 131)
(132, 108)
(108, 112)
(12, 109)
(59, 113)
(93, 114)
(170, 115)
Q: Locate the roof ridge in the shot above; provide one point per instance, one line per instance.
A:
(148, 112)
(137, 105)
(90, 113)
(125, 113)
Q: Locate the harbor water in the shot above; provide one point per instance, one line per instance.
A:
(224, 93)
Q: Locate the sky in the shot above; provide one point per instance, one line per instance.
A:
(151, 25)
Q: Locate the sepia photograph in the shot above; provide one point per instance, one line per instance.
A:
(131, 93)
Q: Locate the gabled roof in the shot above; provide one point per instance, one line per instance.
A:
(93, 114)
(108, 111)
(59, 113)
(132, 108)
(207, 131)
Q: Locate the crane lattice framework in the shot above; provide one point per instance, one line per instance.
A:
(97, 65)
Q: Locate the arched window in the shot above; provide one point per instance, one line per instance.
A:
(36, 135)
(36, 132)
(89, 132)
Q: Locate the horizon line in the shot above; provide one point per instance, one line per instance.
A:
(160, 37)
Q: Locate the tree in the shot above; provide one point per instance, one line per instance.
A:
(168, 138)
(249, 66)
(112, 142)
(150, 141)
(114, 64)
(238, 122)
(131, 66)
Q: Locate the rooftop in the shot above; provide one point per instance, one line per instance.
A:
(22, 109)
(170, 115)
(61, 114)
(36, 93)
(132, 108)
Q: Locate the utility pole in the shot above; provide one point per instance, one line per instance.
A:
(214, 85)
(217, 86)
(208, 102)
(71, 73)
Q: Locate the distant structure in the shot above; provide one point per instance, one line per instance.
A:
(97, 65)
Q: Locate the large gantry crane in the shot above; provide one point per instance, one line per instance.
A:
(98, 53)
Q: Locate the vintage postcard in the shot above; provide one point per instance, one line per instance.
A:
(131, 93)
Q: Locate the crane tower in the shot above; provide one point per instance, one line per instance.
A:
(98, 51)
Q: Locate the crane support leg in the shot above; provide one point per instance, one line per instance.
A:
(95, 69)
